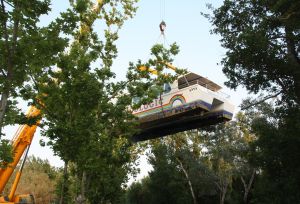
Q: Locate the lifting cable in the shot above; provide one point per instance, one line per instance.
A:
(162, 27)
(162, 9)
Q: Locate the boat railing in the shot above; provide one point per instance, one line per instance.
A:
(205, 85)
(197, 81)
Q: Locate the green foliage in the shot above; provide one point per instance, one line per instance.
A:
(5, 153)
(275, 152)
(211, 163)
(262, 40)
(66, 185)
(228, 146)
(165, 184)
(36, 164)
(26, 48)
(139, 192)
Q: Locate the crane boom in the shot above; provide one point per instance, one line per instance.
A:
(20, 142)
(154, 71)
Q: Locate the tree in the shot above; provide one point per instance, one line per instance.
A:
(76, 97)
(262, 39)
(213, 161)
(186, 149)
(26, 48)
(138, 192)
(167, 184)
(221, 154)
(246, 170)
(275, 152)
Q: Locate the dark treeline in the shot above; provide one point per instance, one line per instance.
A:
(253, 159)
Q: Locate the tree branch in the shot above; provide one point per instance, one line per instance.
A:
(188, 179)
(285, 18)
(291, 48)
(247, 187)
(261, 101)
(3, 73)
(244, 183)
(9, 3)
(284, 89)
(251, 180)
(218, 185)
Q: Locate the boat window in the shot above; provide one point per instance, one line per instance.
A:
(167, 88)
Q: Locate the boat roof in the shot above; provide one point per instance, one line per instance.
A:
(192, 78)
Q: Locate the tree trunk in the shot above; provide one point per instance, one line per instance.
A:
(188, 180)
(3, 105)
(248, 187)
(222, 186)
(81, 197)
(294, 60)
(83, 182)
(64, 184)
(297, 87)
(7, 53)
(223, 193)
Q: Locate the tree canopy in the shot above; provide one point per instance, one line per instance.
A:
(262, 40)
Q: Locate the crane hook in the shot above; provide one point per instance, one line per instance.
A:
(162, 27)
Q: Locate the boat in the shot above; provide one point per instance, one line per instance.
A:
(190, 102)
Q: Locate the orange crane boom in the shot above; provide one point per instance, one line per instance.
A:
(154, 71)
(21, 141)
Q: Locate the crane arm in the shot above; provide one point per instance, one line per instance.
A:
(20, 142)
(152, 71)
(155, 72)
(170, 66)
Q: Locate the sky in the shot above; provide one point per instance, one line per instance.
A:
(200, 51)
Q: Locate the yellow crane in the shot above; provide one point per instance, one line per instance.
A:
(20, 144)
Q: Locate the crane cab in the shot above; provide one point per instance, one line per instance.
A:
(21, 198)
(190, 102)
(24, 198)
